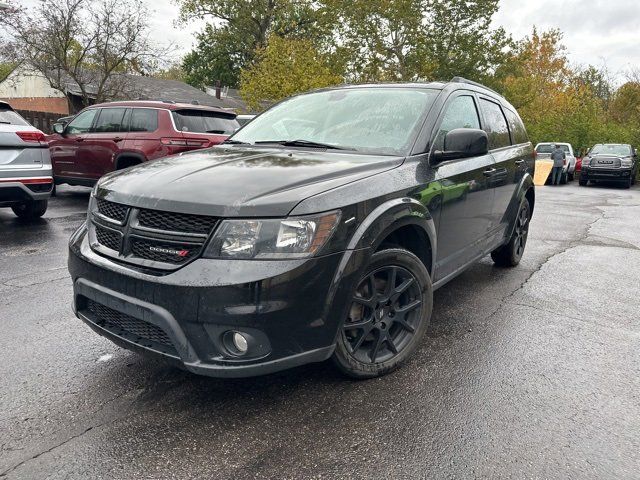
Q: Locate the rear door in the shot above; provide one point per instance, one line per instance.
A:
(66, 147)
(144, 137)
(467, 200)
(102, 144)
(508, 159)
(204, 128)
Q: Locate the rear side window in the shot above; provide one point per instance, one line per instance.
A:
(201, 121)
(144, 120)
(82, 123)
(495, 125)
(518, 132)
(460, 113)
(10, 117)
(110, 120)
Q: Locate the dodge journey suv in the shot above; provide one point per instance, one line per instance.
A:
(319, 230)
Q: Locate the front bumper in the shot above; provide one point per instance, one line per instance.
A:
(610, 174)
(289, 310)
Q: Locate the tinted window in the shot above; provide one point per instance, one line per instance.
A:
(82, 123)
(496, 125)
(12, 118)
(378, 120)
(110, 120)
(144, 120)
(518, 132)
(205, 122)
(460, 113)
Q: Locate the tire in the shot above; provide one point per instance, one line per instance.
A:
(30, 210)
(626, 185)
(510, 254)
(583, 182)
(570, 177)
(376, 337)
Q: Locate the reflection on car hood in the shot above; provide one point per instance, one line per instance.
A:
(236, 181)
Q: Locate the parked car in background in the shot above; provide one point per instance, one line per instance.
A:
(319, 230)
(543, 151)
(113, 136)
(244, 119)
(610, 162)
(26, 179)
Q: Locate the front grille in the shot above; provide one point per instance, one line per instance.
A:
(114, 211)
(124, 325)
(176, 222)
(165, 252)
(151, 239)
(108, 238)
(606, 162)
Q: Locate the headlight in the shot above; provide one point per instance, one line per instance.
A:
(626, 163)
(585, 161)
(296, 237)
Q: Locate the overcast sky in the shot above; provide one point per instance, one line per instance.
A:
(599, 32)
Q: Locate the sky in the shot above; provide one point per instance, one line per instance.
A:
(597, 32)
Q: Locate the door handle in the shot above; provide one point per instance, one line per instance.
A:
(519, 162)
(79, 139)
(489, 172)
(118, 139)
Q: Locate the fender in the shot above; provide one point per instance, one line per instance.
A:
(525, 184)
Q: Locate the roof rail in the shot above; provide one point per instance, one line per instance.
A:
(471, 82)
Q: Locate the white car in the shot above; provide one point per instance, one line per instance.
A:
(543, 151)
(26, 179)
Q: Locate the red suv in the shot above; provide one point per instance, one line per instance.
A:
(112, 136)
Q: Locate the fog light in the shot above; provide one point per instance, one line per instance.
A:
(240, 343)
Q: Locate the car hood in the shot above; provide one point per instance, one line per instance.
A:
(237, 181)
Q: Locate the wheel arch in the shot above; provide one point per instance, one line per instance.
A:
(128, 159)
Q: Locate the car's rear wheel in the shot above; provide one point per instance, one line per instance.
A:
(30, 210)
(389, 313)
(570, 177)
(510, 254)
(583, 182)
(563, 178)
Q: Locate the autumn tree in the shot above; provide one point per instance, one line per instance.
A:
(237, 29)
(283, 68)
(91, 43)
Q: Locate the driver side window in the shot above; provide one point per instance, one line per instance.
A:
(460, 113)
(82, 123)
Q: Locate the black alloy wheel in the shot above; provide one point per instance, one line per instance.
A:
(388, 315)
(509, 255)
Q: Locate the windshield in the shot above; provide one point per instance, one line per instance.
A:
(380, 121)
(201, 121)
(618, 150)
(12, 118)
(549, 147)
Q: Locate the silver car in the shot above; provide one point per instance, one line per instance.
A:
(26, 179)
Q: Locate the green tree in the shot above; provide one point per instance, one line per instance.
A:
(239, 28)
(283, 68)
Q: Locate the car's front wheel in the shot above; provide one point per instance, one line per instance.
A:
(510, 254)
(388, 315)
(30, 210)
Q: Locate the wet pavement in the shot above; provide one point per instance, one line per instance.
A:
(532, 372)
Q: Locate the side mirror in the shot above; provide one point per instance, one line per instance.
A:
(58, 128)
(463, 143)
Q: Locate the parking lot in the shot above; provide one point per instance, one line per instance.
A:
(532, 372)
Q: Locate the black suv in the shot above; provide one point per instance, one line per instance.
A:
(611, 162)
(319, 230)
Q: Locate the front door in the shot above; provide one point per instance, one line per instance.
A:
(467, 200)
(64, 148)
(104, 142)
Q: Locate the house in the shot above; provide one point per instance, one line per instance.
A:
(28, 90)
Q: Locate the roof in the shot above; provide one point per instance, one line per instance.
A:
(157, 89)
(5, 105)
(168, 105)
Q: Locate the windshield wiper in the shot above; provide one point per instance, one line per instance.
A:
(230, 141)
(221, 132)
(303, 143)
(5, 123)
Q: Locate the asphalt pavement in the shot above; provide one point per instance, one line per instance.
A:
(531, 372)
